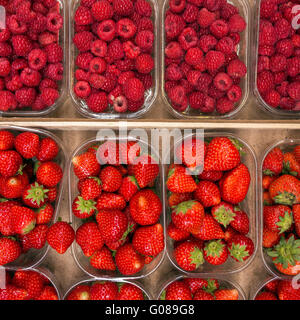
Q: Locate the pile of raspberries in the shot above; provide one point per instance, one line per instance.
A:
(202, 67)
(30, 55)
(278, 66)
(115, 41)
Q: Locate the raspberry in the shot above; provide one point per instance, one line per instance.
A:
(134, 106)
(196, 100)
(96, 80)
(204, 81)
(236, 23)
(83, 60)
(37, 59)
(125, 64)
(5, 49)
(97, 65)
(287, 103)
(87, 3)
(54, 71)
(279, 77)
(263, 63)
(38, 104)
(125, 76)
(173, 50)
(21, 45)
(193, 77)
(81, 75)
(30, 77)
(188, 38)
(208, 105)
(214, 60)
(177, 6)
(146, 79)
(272, 98)
(39, 8)
(205, 18)
(82, 89)
(236, 38)
(97, 102)
(215, 93)
(144, 63)
(5, 35)
(19, 64)
(278, 63)
(219, 28)
(54, 22)
(143, 8)
(296, 40)
(267, 34)
(282, 88)
(5, 67)
(236, 69)
(174, 25)
(185, 68)
(13, 83)
(222, 81)
(25, 96)
(83, 16)
(224, 105)
(265, 81)
(293, 90)
(99, 48)
(120, 104)
(225, 45)
(49, 96)
(213, 5)
(190, 13)
(102, 10)
(194, 56)
(123, 7)
(47, 38)
(268, 8)
(207, 43)
(173, 72)
(234, 93)
(145, 24)
(266, 50)
(133, 89)
(47, 83)
(106, 30)
(188, 87)
(15, 26)
(7, 101)
(126, 28)
(282, 29)
(83, 40)
(131, 51)
(115, 50)
(177, 95)
(285, 47)
(293, 66)
(228, 10)
(54, 53)
(144, 39)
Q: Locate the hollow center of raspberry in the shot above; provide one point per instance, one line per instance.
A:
(107, 29)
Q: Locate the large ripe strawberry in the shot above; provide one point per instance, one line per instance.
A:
(179, 181)
(12, 188)
(177, 290)
(203, 295)
(222, 155)
(129, 151)
(272, 285)
(229, 232)
(60, 236)
(49, 174)
(270, 238)
(109, 153)
(38, 236)
(129, 187)
(286, 291)
(223, 213)
(226, 294)
(235, 184)
(110, 201)
(240, 247)
(215, 252)
(286, 255)
(177, 234)
(27, 144)
(10, 250)
(145, 170)
(86, 165)
(33, 283)
(128, 291)
(266, 296)
(278, 218)
(273, 163)
(291, 165)
(188, 216)
(48, 293)
(34, 195)
(44, 214)
(285, 190)
(188, 256)
(210, 229)
(211, 175)
(112, 224)
(176, 198)
(145, 207)
(111, 179)
(128, 261)
(90, 188)
(149, 240)
(12, 292)
(7, 140)
(104, 290)
(6, 221)
(23, 219)
(83, 209)
(207, 193)
(48, 150)
(296, 214)
(80, 292)
(89, 238)
(103, 260)
(10, 163)
(196, 283)
(241, 221)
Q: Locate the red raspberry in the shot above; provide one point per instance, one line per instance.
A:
(133, 89)
(193, 77)
(219, 28)
(87, 3)
(144, 63)
(283, 29)
(116, 92)
(188, 87)
(234, 93)
(38, 24)
(194, 56)
(236, 69)
(15, 26)
(208, 105)
(47, 38)
(81, 75)
(82, 89)
(125, 64)
(5, 35)
(54, 53)
(21, 45)
(102, 10)
(190, 13)
(12, 83)
(204, 81)
(54, 71)
(296, 40)
(177, 6)
(97, 102)
(126, 28)
(268, 8)
(174, 25)
(99, 48)
(173, 72)
(287, 103)
(97, 65)
(278, 63)
(236, 23)
(83, 60)
(25, 96)
(54, 22)
(263, 63)
(228, 10)
(279, 77)
(205, 18)
(30, 77)
(185, 68)
(293, 90)
(267, 34)
(146, 80)
(214, 60)
(96, 80)
(37, 59)
(83, 16)
(207, 43)
(38, 104)
(125, 76)
(282, 88)
(225, 45)
(5, 67)
(123, 7)
(196, 99)
(144, 39)
(272, 98)
(145, 24)
(83, 40)
(7, 101)
(236, 38)
(222, 81)
(106, 30)
(173, 50)
(143, 8)
(224, 105)
(188, 38)
(134, 106)
(177, 95)
(285, 47)
(293, 66)
(131, 51)
(110, 81)
(49, 96)
(5, 49)
(115, 50)
(265, 81)
(48, 83)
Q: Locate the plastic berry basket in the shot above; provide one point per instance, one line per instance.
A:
(62, 85)
(286, 145)
(34, 257)
(243, 53)
(89, 281)
(150, 94)
(255, 290)
(83, 261)
(249, 205)
(224, 283)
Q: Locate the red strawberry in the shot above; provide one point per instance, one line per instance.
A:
(33, 284)
(177, 234)
(210, 229)
(13, 293)
(273, 163)
(110, 201)
(23, 219)
(272, 285)
(90, 188)
(129, 187)
(27, 144)
(235, 184)
(86, 165)
(104, 290)
(10, 163)
(179, 181)
(48, 293)
(13, 187)
(203, 295)
(44, 214)
(145, 207)
(145, 170)
(19, 278)
(83, 209)
(34, 195)
(215, 252)
(278, 218)
(296, 214)
(267, 180)
(10, 250)
(229, 233)
(240, 222)
(52, 194)
(60, 236)
(188, 256)
(207, 193)
(226, 294)
(296, 152)
(7, 140)
(129, 151)
(48, 150)
(223, 213)
(81, 292)
(89, 238)
(38, 236)
(129, 291)
(178, 290)
(211, 175)
(286, 291)
(149, 240)
(270, 238)
(176, 198)
(103, 260)
(266, 296)
(108, 153)
(128, 261)
(188, 216)
(240, 247)
(267, 200)
(195, 283)
(6, 221)
(49, 174)
(222, 154)
(111, 179)
(291, 165)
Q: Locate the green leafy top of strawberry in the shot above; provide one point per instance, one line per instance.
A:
(224, 215)
(163, 295)
(37, 193)
(211, 286)
(238, 145)
(287, 169)
(196, 257)
(214, 248)
(285, 222)
(238, 251)
(85, 206)
(185, 206)
(285, 198)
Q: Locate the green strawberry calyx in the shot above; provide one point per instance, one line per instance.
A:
(185, 206)
(96, 179)
(285, 198)
(287, 169)
(28, 227)
(239, 252)
(268, 172)
(211, 286)
(126, 233)
(163, 295)
(133, 180)
(286, 252)
(224, 215)
(285, 222)
(196, 257)
(85, 206)
(214, 248)
(37, 193)
(238, 145)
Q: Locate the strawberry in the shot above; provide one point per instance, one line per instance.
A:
(44, 214)
(86, 165)
(285, 190)
(207, 193)
(19, 278)
(286, 291)
(104, 290)
(33, 284)
(114, 245)
(111, 179)
(145, 207)
(112, 224)
(273, 162)
(10, 250)
(270, 238)
(226, 294)
(6, 221)
(195, 284)
(296, 214)
(80, 292)
(129, 152)
(229, 233)
(13, 187)
(272, 285)
(278, 218)
(110, 201)
(267, 200)
(131, 223)
(296, 152)
(103, 260)
(89, 238)
(27, 144)
(90, 188)
(13, 293)
(10, 163)
(179, 181)
(149, 240)
(49, 174)
(188, 256)
(177, 290)
(240, 222)
(7, 140)
(267, 180)
(176, 198)
(83, 209)
(177, 234)
(291, 165)
(38, 236)
(210, 229)
(215, 252)
(23, 219)
(240, 247)
(34, 195)
(188, 216)
(52, 194)
(128, 261)
(211, 175)
(48, 293)
(222, 155)
(48, 150)
(109, 153)
(60, 236)
(128, 291)
(203, 295)
(145, 170)
(129, 187)
(223, 213)
(266, 296)
(235, 184)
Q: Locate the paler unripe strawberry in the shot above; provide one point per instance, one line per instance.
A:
(44, 214)
(48, 149)
(223, 213)
(111, 179)
(207, 193)
(240, 247)
(10, 162)
(215, 252)
(49, 174)
(80, 292)
(128, 291)
(176, 233)
(104, 290)
(129, 187)
(27, 144)
(273, 163)
(34, 195)
(110, 201)
(145, 170)
(23, 219)
(10, 250)
(179, 181)
(103, 260)
(86, 165)
(177, 290)
(210, 229)
(188, 256)
(278, 218)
